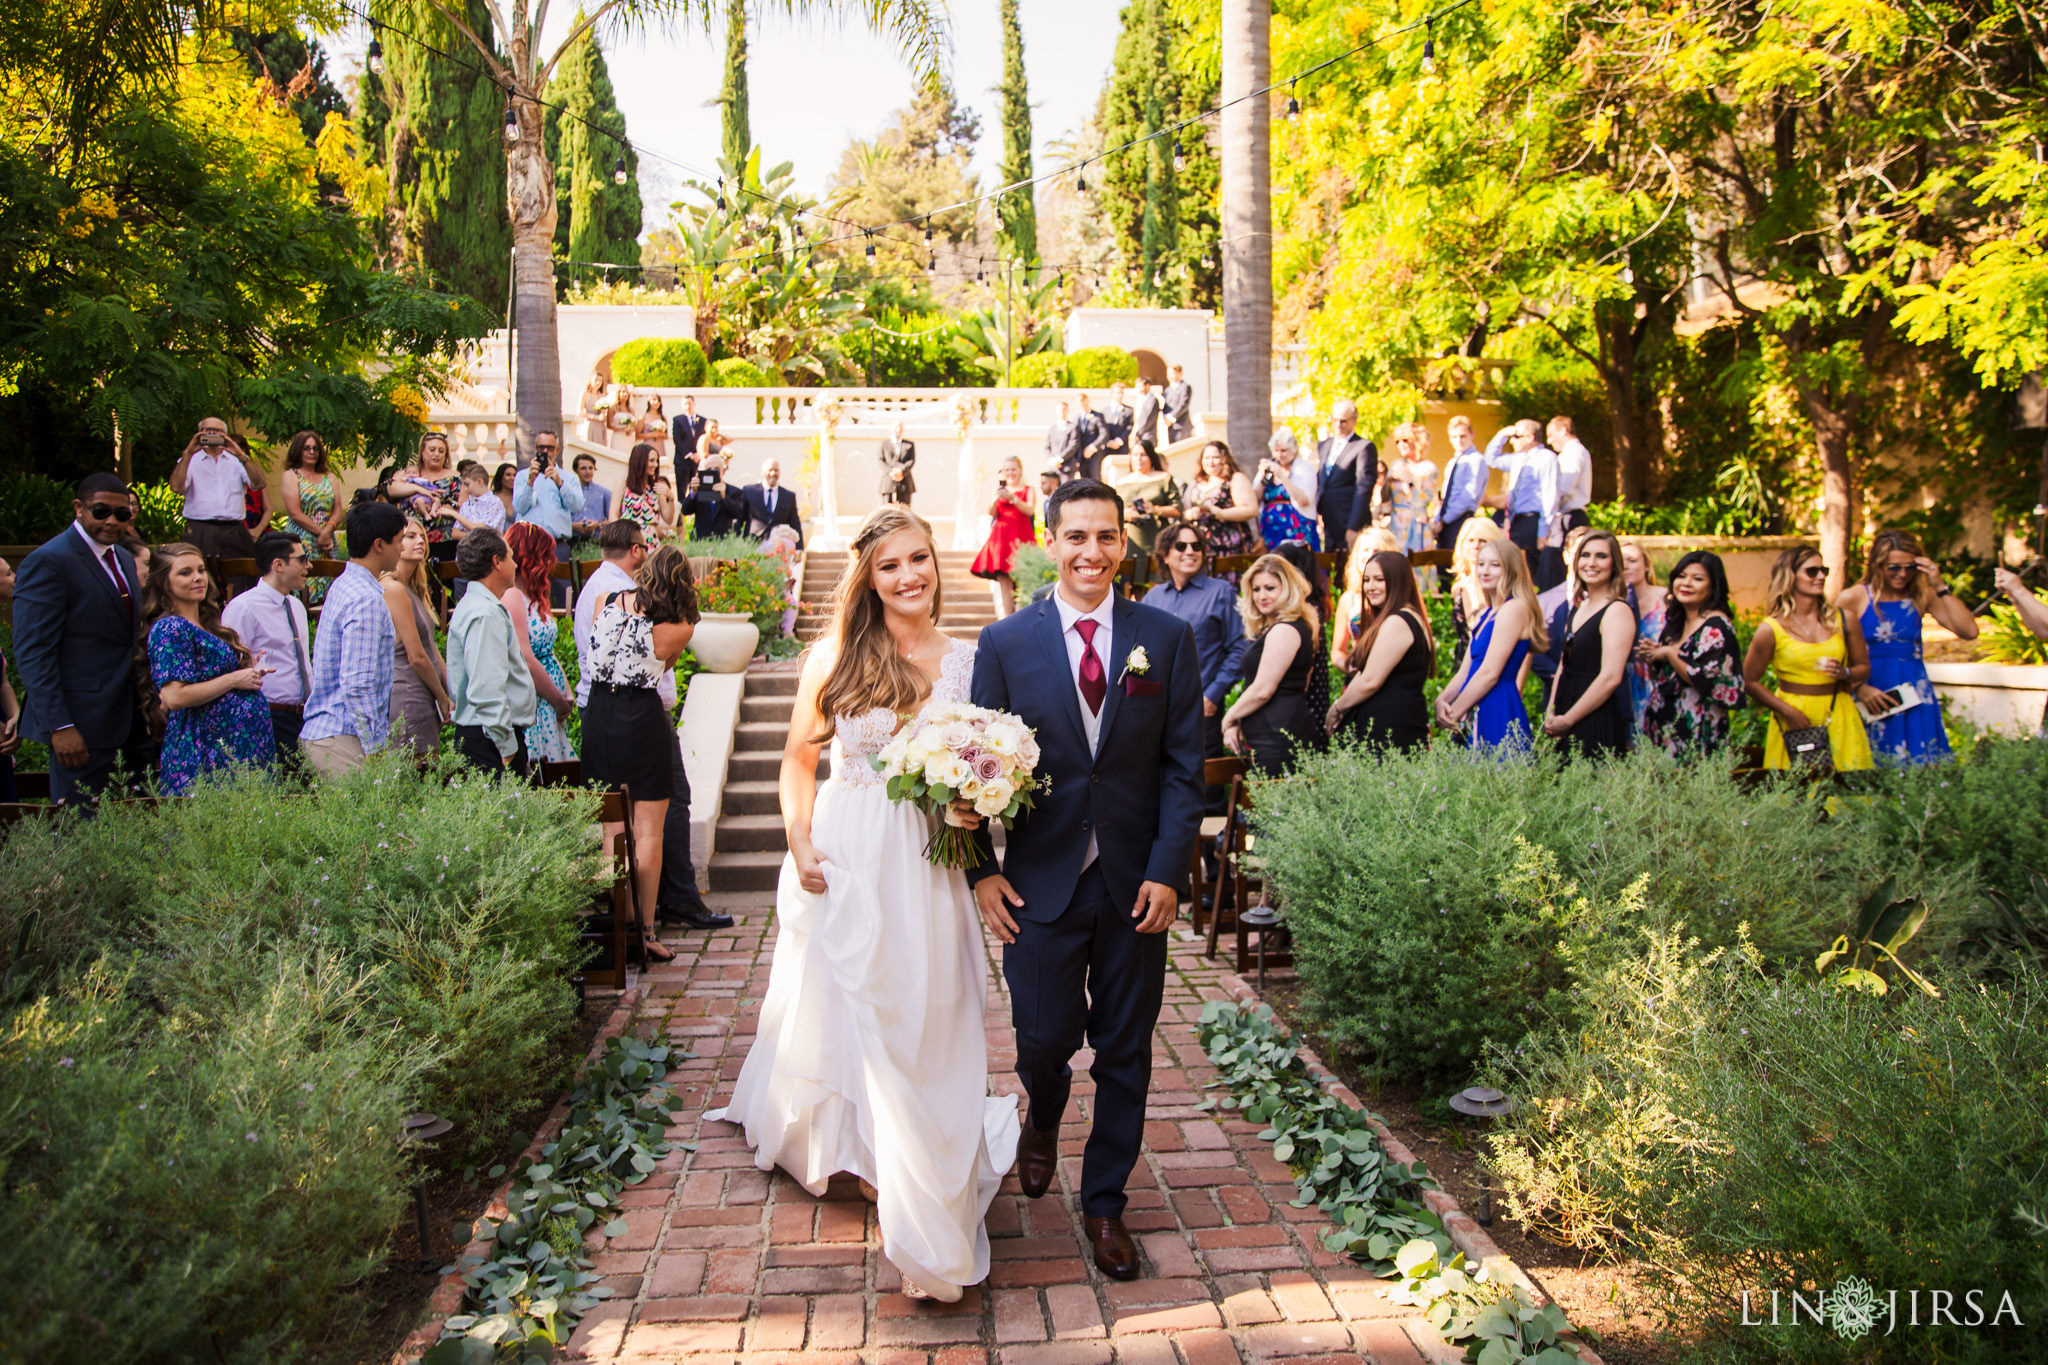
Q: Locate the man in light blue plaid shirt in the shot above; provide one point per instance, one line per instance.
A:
(348, 710)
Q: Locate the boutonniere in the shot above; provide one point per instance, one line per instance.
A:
(1138, 662)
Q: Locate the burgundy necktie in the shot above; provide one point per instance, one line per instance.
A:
(120, 584)
(1093, 686)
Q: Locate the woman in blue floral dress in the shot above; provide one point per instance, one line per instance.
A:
(533, 551)
(210, 687)
(1287, 494)
(1900, 585)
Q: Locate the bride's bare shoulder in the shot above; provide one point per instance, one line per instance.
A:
(818, 661)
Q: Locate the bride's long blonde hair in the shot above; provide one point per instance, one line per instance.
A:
(867, 672)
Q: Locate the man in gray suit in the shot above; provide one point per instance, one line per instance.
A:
(1180, 398)
(1145, 417)
(1063, 443)
(897, 456)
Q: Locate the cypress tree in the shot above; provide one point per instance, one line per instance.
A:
(736, 139)
(436, 125)
(1018, 210)
(597, 219)
(1162, 205)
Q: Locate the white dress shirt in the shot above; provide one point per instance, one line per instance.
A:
(1091, 720)
(606, 579)
(1575, 474)
(99, 554)
(213, 486)
(274, 626)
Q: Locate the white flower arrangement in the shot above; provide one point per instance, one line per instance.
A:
(958, 752)
(1138, 662)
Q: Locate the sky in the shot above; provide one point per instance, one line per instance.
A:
(815, 85)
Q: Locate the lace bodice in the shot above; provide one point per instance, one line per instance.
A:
(856, 739)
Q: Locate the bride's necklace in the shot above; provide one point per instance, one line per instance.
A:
(912, 655)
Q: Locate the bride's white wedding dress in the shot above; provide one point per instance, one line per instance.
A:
(871, 1056)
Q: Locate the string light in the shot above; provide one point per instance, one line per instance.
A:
(1429, 50)
(927, 230)
(511, 123)
(1081, 179)
(721, 196)
(374, 56)
(1293, 104)
(1180, 160)
(871, 248)
(619, 170)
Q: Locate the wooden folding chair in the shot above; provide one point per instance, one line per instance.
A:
(327, 568)
(1429, 559)
(1233, 563)
(1231, 880)
(620, 899)
(1216, 772)
(227, 570)
(568, 773)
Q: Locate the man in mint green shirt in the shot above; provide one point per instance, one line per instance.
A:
(487, 675)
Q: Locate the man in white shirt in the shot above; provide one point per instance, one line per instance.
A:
(1574, 471)
(211, 476)
(272, 623)
(1534, 497)
(625, 550)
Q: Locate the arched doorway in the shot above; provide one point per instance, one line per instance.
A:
(1150, 366)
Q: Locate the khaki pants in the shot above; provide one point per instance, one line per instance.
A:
(333, 757)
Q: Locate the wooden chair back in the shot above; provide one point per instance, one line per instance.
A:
(616, 808)
(1429, 559)
(1216, 772)
(225, 571)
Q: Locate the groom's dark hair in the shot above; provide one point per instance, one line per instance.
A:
(1079, 490)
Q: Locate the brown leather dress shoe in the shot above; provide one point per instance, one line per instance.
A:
(1115, 1254)
(1038, 1156)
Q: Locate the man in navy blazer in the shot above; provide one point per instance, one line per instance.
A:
(686, 429)
(1091, 875)
(1349, 467)
(770, 505)
(76, 603)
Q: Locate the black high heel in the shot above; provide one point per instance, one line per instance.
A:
(650, 945)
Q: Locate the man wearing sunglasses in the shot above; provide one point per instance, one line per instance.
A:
(1209, 606)
(76, 599)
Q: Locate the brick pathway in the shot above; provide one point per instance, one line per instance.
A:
(722, 1262)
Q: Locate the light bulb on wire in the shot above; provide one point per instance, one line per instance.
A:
(871, 249)
(374, 56)
(1429, 49)
(1180, 160)
(721, 196)
(619, 169)
(1293, 104)
(1081, 179)
(511, 123)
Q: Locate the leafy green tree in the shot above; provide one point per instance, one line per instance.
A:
(1162, 194)
(435, 126)
(912, 169)
(1018, 209)
(600, 220)
(735, 137)
(296, 65)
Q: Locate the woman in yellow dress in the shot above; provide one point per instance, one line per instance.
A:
(1819, 664)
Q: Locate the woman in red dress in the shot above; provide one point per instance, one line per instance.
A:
(1012, 527)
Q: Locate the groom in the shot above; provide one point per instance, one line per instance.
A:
(1091, 876)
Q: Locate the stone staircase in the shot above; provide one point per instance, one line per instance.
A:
(748, 843)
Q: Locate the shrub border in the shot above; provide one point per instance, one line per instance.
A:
(446, 1300)
(1466, 1235)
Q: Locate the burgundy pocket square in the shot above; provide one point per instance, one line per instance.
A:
(1135, 686)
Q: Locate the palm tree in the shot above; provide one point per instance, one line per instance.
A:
(524, 72)
(1247, 229)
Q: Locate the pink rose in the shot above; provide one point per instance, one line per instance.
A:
(987, 767)
(970, 755)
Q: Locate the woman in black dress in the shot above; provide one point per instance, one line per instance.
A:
(1589, 707)
(1271, 718)
(1390, 660)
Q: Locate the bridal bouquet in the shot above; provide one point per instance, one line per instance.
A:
(958, 752)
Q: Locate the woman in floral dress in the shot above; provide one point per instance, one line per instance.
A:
(533, 551)
(1649, 601)
(1287, 494)
(432, 490)
(1412, 488)
(312, 510)
(1695, 667)
(209, 685)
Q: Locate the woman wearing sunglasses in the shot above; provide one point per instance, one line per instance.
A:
(1900, 585)
(1819, 663)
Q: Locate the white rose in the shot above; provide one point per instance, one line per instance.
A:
(944, 770)
(1002, 738)
(923, 746)
(956, 735)
(970, 789)
(995, 798)
(1027, 753)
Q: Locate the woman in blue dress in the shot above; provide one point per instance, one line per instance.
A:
(210, 686)
(1488, 686)
(1287, 494)
(1900, 585)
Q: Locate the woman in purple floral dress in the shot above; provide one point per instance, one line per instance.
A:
(1695, 665)
(209, 685)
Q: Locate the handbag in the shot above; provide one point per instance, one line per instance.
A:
(1808, 748)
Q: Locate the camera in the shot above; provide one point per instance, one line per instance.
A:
(708, 478)
(212, 440)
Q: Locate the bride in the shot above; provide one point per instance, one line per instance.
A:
(870, 1056)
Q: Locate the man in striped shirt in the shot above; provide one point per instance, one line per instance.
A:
(348, 711)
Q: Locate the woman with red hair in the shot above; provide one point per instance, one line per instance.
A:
(533, 550)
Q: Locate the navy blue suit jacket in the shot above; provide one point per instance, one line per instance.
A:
(782, 513)
(75, 643)
(1344, 494)
(1140, 793)
(685, 431)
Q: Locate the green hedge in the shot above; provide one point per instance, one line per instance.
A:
(661, 363)
(251, 989)
(1735, 1130)
(1438, 901)
(736, 373)
(1045, 370)
(1097, 367)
